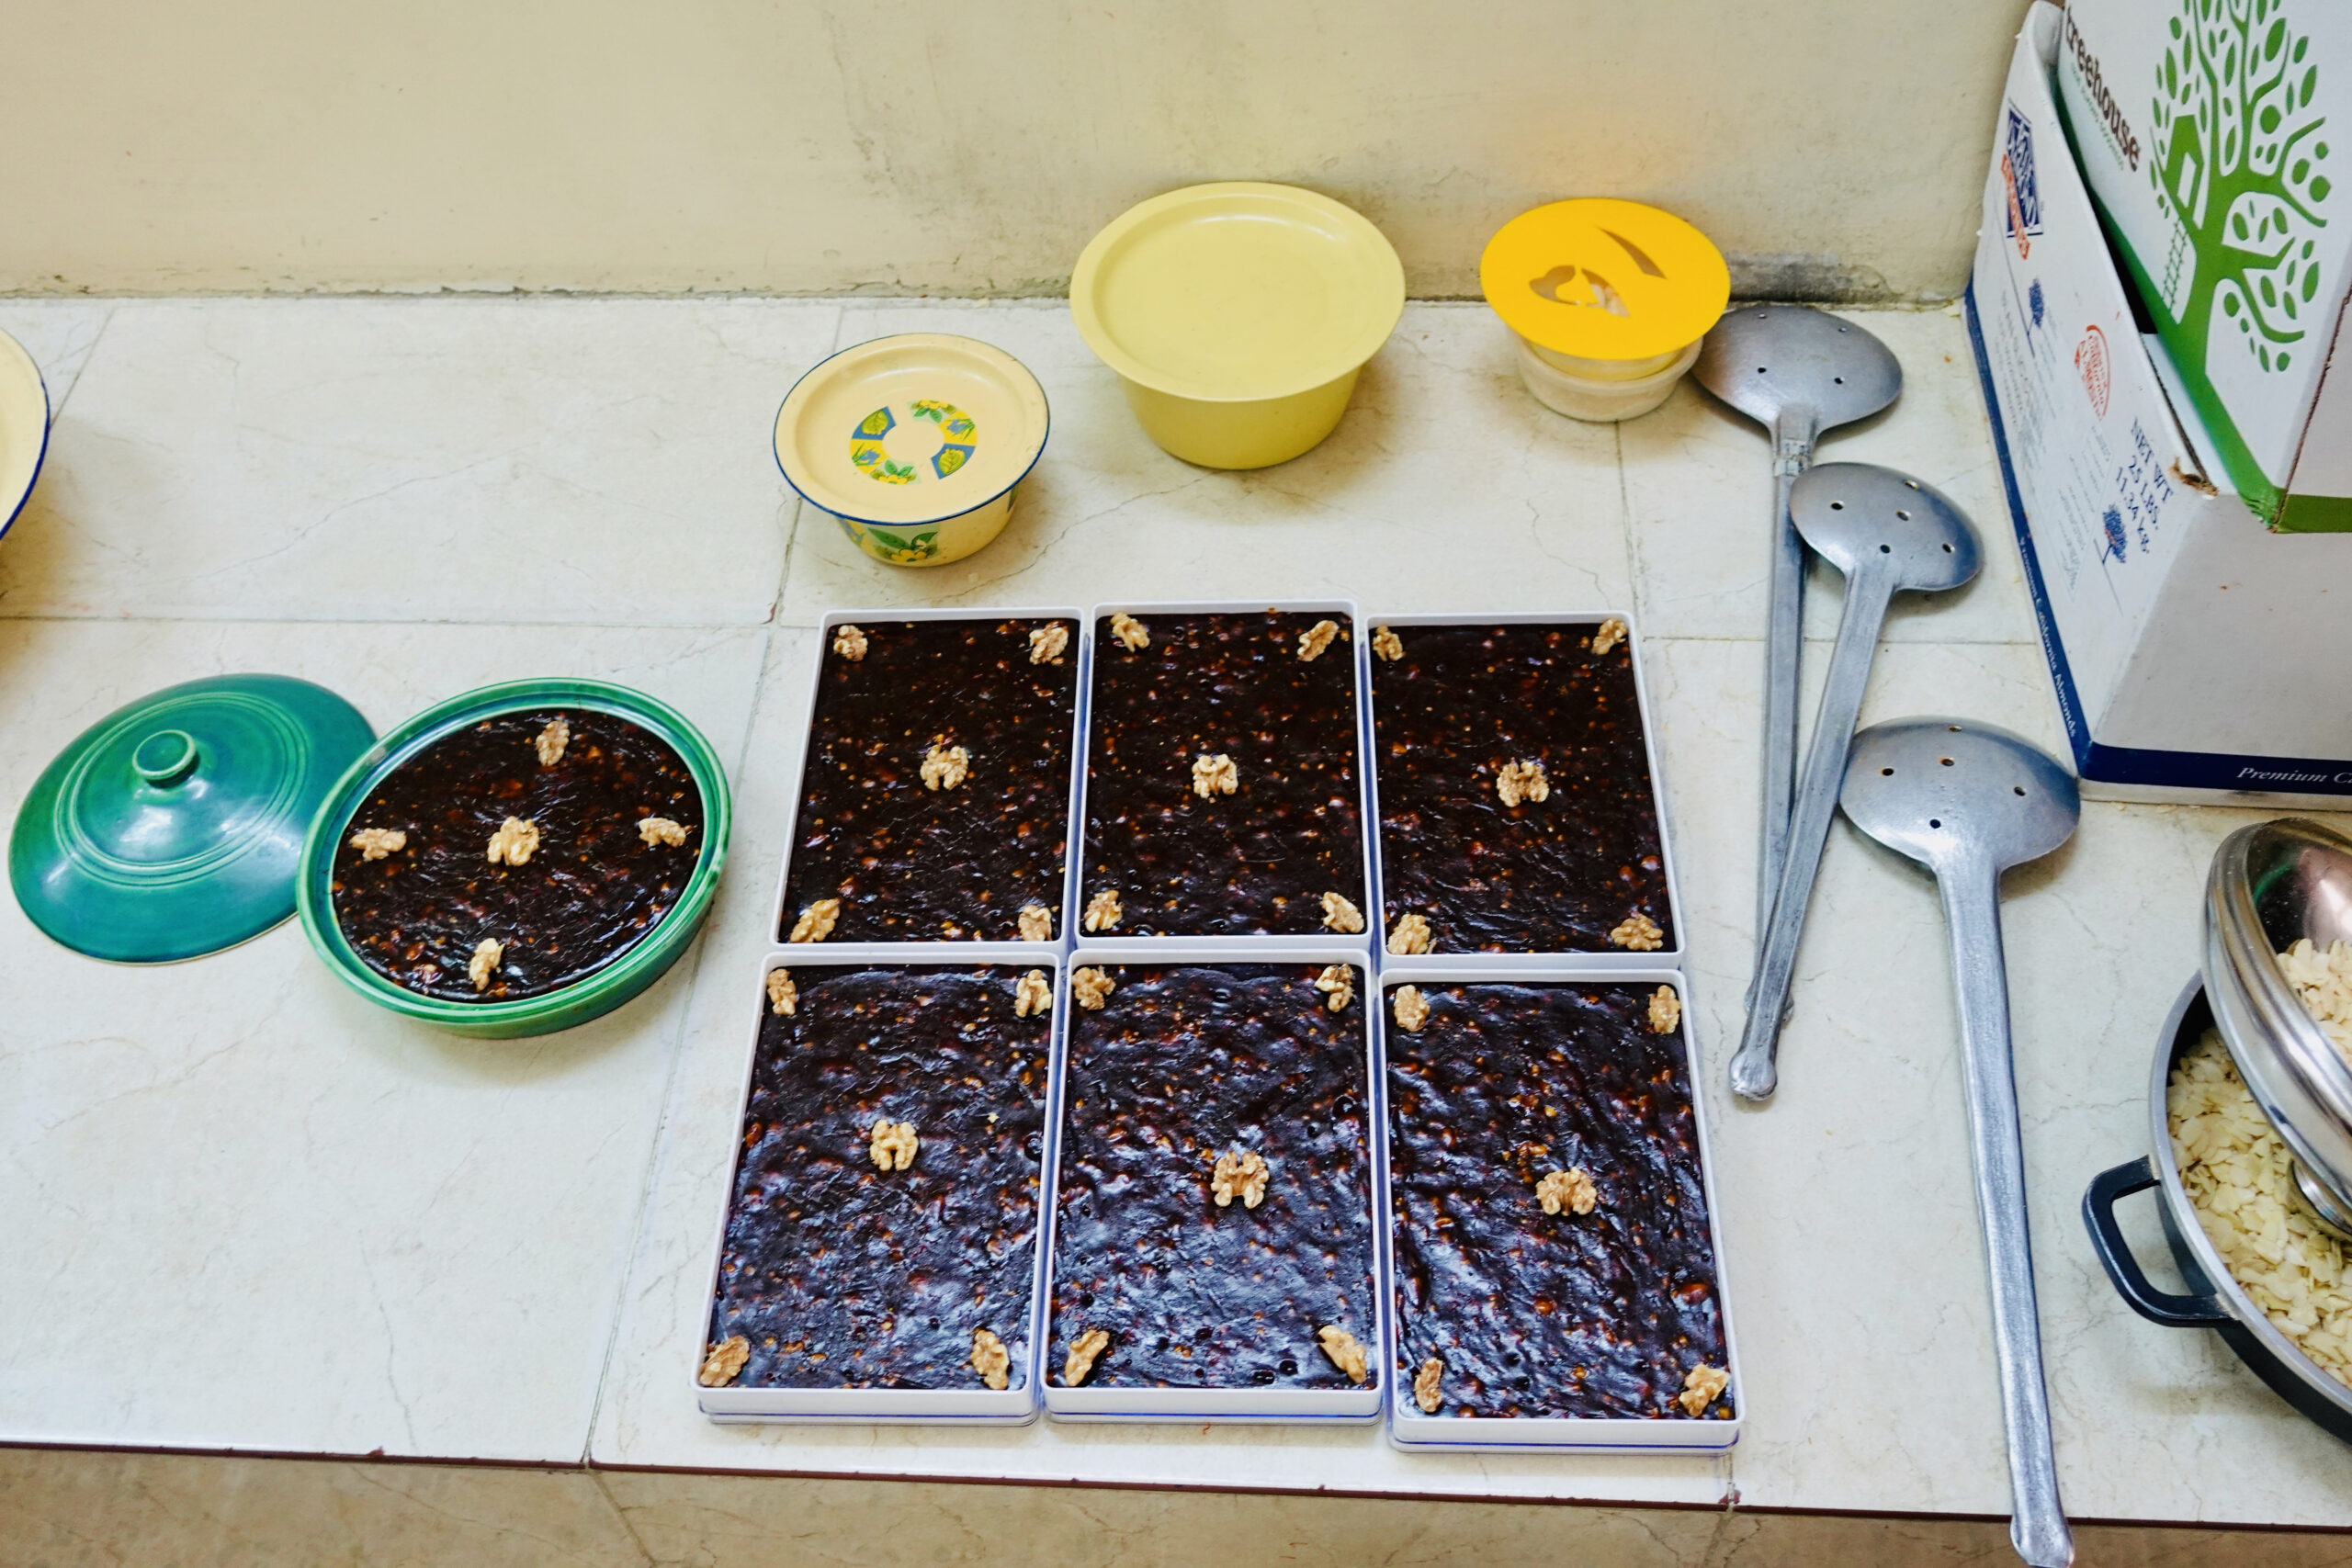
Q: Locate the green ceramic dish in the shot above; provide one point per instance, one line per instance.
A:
(577, 1003)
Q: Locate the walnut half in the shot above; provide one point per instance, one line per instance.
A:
(1339, 981)
(1610, 633)
(1523, 781)
(661, 831)
(1239, 1174)
(1666, 1010)
(893, 1145)
(1571, 1189)
(551, 742)
(1036, 923)
(1092, 987)
(489, 954)
(1413, 1009)
(1132, 633)
(1410, 934)
(1101, 911)
(849, 642)
(783, 996)
(725, 1362)
(1045, 646)
(514, 843)
(375, 843)
(1315, 639)
(989, 1358)
(1425, 1385)
(945, 767)
(1079, 1363)
(1638, 932)
(1345, 1353)
(1031, 994)
(1340, 913)
(1214, 773)
(1701, 1387)
(816, 921)
(1385, 644)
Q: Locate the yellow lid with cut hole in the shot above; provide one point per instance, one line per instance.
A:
(1601, 279)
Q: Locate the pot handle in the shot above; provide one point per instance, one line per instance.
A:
(2123, 1268)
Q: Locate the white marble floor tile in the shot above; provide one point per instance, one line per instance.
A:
(602, 463)
(1445, 487)
(647, 1414)
(1856, 1279)
(59, 334)
(1698, 497)
(244, 1208)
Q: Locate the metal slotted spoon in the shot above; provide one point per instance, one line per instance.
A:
(1888, 533)
(1969, 801)
(1798, 372)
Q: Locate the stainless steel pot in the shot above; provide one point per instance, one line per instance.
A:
(2215, 1300)
(2269, 885)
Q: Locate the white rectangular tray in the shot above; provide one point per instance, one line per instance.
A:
(1409, 1427)
(777, 924)
(1013, 1406)
(1482, 962)
(1342, 609)
(1087, 1404)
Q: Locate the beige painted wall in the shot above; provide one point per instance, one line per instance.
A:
(1834, 147)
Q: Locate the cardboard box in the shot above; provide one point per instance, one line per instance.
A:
(2196, 656)
(2204, 129)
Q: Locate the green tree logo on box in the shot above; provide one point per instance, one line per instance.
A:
(2238, 170)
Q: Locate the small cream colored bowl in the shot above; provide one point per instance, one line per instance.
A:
(23, 427)
(913, 444)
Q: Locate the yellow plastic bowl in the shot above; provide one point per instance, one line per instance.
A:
(913, 444)
(1237, 315)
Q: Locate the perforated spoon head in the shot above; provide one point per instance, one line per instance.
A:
(1762, 359)
(1852, 512)
(1947, 791)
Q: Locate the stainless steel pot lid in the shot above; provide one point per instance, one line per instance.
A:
(2270, 884)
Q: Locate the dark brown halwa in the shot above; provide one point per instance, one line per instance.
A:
(1556, 876)
(1536, 1315)
(1181, 1064)
(592, 890)
(841, 1275)
(916, 864)
(1258, 860)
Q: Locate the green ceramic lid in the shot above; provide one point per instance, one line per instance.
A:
(173, 827)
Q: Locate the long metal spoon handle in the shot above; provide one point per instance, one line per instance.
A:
(1971, 909)
(1755, 1072)
(1793, 433)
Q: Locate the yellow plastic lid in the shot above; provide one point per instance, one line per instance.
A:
(1237, 291)
(1601, 279)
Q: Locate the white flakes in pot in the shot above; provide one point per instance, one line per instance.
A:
(2238, 1175)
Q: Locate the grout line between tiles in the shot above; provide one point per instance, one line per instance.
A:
(679, 1045)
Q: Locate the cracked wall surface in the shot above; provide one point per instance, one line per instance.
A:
(1834, 147)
